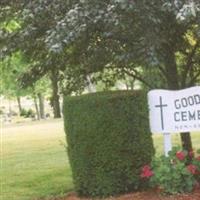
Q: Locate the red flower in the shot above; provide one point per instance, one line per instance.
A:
(191, 154)
(192, 168)
(180, 155)
(146, 172)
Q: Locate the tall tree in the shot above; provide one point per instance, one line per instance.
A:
(128, 36)
(140, 35)
(41, 88)
(11, 68)
(55, 98)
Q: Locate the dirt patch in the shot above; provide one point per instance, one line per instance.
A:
(150, 195)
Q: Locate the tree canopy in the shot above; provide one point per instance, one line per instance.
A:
(84, 37)
(80, 39)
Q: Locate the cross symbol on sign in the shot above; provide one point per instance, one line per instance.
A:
(161, 106)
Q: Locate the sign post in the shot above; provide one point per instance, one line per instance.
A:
(174, 112)
(167, 143)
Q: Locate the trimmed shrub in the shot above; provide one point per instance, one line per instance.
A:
(108, 141)
(30, 113)
(27, 113)
(23, 112)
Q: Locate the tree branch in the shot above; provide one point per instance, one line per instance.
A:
(189, 64)
(163, 72)
(137, 76)
(193, 80)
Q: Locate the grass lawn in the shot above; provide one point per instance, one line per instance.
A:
(158, 141)
(34, 161)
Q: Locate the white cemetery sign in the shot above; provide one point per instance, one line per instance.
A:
(174, 111)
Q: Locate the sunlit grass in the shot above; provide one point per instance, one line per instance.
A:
(176, 141)
(34, 161)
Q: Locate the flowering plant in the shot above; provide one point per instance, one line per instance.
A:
(177, 173)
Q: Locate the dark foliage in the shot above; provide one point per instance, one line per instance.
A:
(108, 141)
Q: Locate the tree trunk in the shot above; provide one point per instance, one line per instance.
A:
(41, 105)
(36, 107)
(127, 86)
(91, 87)
(186, 141)
(171, 71)
(19, 104)
(132, 82)
(10, 108)
(173, 84)
(55, 99)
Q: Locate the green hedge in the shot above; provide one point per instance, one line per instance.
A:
(108, 141)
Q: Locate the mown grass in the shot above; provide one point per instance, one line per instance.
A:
(34, 161)
(159, 141)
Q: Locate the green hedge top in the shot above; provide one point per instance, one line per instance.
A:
(108, 141)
